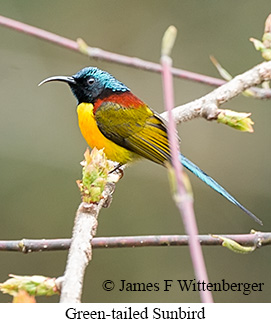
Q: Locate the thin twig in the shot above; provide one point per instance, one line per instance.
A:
(183, 199)
(104, 55)
(101, 54)
(260, 239)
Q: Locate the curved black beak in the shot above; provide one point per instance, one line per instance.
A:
(67, 79)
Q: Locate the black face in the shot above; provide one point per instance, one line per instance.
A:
(86, 89)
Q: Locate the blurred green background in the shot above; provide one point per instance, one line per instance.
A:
(41, 145)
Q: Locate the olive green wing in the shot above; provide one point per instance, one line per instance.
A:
(137, 129)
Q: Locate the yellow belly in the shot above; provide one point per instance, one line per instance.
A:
(95, 138)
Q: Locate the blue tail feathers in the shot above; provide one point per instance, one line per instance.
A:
(214, 185)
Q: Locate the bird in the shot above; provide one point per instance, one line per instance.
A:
(112, 118)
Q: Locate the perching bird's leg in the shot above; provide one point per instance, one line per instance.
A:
(117, 168)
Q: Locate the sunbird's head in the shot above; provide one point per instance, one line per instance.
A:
(90, 83)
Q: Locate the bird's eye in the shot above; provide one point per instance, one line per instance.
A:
(90, 81)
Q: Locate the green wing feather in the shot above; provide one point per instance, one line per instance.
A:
(144, 132)
(140, 130)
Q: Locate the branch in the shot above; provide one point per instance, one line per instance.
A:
(208, 106)
(100, 54)
(80, 252)
(182, 197)
(96, 188)
(261, 239)
(97, 53)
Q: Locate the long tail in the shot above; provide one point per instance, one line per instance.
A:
(214, 185)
